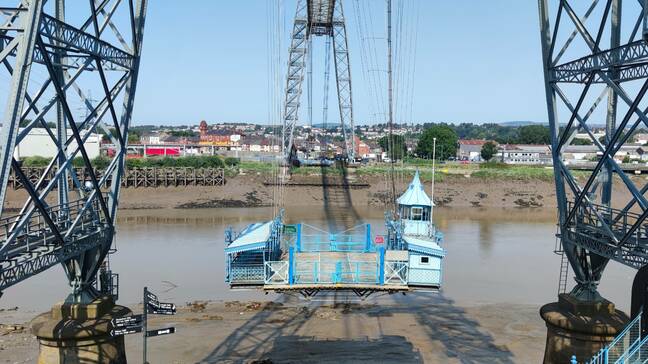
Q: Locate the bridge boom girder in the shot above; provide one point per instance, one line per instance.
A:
(630, 60)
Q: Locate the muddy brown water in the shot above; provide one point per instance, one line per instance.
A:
(494, 256)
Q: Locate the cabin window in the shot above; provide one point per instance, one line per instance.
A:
(425, 260)
(405, 213)
(417, 214)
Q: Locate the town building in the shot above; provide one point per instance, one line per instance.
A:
(362, 150)
(525, 154)
(223, 138)
(38, 143)
(470, 149)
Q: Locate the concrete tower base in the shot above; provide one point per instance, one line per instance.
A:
(579, 328)
(80, 333)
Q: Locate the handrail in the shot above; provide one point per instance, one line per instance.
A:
(603, 356)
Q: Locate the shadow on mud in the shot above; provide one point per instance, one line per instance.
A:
(340, 213)
(278, 334)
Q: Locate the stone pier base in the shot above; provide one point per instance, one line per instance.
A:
(579, 328)
(80, 333)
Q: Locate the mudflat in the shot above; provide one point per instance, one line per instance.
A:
(417, 328)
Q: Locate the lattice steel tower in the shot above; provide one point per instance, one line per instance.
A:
(318, 18)
(596, 71)
(51, 51)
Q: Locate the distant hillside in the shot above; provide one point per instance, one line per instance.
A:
(519, 123)
(331, 125)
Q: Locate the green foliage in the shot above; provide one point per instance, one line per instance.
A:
(446, 142)
(494, 165)
(181, 162)
(626, 159)
(78, 162)
(631, 138)
(488, 151)
(581, 141)
(133, 138)
(533, 134)
(500, 171)
(231, 161)
(398, 143)
(36, 161)
(100, 162)
(499, 133)
(134, 163)
(183, 133)
(503, 134)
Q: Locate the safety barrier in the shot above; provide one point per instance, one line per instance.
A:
(277, 272)
(396, 272)
(248, 274)
(626, 348)
(334, 271)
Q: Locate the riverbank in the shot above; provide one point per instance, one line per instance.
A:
(253, 191)
(416, 328)
(456, 185)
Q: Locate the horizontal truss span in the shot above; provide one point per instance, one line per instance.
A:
(630, 61)
(80, 41)
(35, 247)
(587, 231)
(46, 256)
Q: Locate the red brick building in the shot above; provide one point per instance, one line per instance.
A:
(221, 138)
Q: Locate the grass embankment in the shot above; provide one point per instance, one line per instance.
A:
(513, 172)
(102, 162)
(406, 169)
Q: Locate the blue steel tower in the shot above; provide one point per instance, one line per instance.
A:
(595, 60)
(317, 18)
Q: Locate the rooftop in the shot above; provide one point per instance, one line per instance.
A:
(415, 194)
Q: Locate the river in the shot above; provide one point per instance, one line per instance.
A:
(494, 255)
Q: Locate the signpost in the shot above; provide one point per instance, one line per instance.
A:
(153, 306)
(126, 325)
(138, 323)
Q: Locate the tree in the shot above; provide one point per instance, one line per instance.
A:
(489, 149)
(533, 134)
(398, 142)
(183, 133)
(581, 141)
(446, 142)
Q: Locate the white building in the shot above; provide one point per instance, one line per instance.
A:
(525, 154)
(38, 143)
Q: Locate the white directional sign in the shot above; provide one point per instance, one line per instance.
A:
(161, 308)
(160, 332)
(126, 330)
(126, 321)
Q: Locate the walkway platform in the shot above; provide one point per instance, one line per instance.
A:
(302, 258)
(274, 256)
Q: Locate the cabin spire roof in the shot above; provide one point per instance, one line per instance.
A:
(415, 194)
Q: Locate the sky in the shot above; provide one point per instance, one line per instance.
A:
(476, 61)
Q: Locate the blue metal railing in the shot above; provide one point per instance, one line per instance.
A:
(334, 243)
(626, 346)
(313, 239)
(334, 271)
(248, 267)
(247, 274)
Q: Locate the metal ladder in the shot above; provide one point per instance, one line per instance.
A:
(564, 263)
